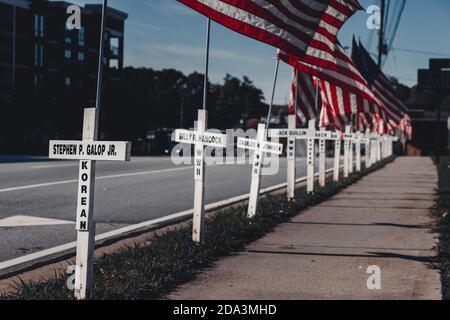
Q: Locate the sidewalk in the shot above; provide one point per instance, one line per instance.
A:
(324, 252)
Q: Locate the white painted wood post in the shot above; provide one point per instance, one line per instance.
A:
(337, 159)
(358, 152)
(347, 144)
(373, 151)
(85, 213)
(322, 161)
(199, 182)
(256, 172)
(291, 155)
(351, 158)
(310, 142)
(378, 149)
(367, 151)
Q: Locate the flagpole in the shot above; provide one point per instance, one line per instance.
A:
(296, 96)
(317, 98)
(100, 57)
(85, 244)
(275, 78)
(206, 85)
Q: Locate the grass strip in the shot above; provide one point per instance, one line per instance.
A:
(153, 270)
(442, 214)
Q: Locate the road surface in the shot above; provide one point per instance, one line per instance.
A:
(38, 198)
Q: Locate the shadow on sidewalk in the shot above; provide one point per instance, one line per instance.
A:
(389, 255)
(408, 226)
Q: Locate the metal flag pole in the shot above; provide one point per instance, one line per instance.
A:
(322, 143)
(199, 175)
(310, 147)
(86, 237)
(292, 141)
(100, 57)
(296, 96)
(275, 78)
(206, 84)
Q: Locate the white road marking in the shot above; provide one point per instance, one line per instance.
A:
(28, 221)
(140, 226)
(51, 166)
(55, 183)
(120, 175)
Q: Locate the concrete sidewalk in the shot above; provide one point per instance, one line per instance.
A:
(323, 253)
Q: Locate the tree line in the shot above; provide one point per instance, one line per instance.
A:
(135, 101)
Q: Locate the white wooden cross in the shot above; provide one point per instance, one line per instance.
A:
(337, 137)
(375, 148)
(299, 134)
(310, 135)
(388, 149)
(351, 158)
(348, 138)
(88, 151)
(260, 146)
(360, 140)
(358, 151)
(367, 149)
(323, 136)
(378, 143)
(292, 134)
(200, 139)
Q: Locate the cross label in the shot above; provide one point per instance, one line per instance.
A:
(287, 133)
(259, 146)
(268, 147)
(95, 150)
(204, 138)
(84, 195)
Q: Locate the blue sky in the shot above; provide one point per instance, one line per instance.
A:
(165, 34)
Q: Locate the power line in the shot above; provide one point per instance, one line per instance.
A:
(428, 53)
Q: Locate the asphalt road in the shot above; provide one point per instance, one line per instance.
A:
(126, 193)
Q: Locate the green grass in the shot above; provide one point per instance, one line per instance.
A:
(150, 272)
(442, 214)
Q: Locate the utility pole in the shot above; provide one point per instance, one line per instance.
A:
(381, 35)
(182, 112)
(438, 122)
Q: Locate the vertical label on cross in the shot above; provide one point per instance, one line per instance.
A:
(310, 178)
(337, 159)
(310, 152)
(291, 148)
(257, 161)
(322, 145)
(199, 167)
(84, 196)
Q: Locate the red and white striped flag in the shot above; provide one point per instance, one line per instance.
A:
(303, 88)
(406, 127)
(306, 29)
(342, 73)
(329, 119)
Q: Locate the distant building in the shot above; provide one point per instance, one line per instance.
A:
(39, 56)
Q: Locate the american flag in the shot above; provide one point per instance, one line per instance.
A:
(406, 127)
(343, 88)
(306, 29)
(343, 74)
(366, 122)
(329, 119)
(303, 97)
(341, 103)
(393, 108)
